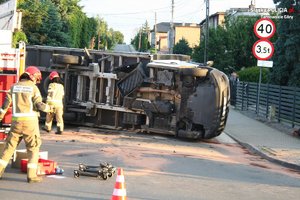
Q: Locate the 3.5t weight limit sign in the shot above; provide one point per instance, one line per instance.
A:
(264, 28)
(263, 49)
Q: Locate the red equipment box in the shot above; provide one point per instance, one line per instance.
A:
(45, 167)
(3, 136)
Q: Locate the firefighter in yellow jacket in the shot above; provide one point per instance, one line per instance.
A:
(26, 102)
(55, 98)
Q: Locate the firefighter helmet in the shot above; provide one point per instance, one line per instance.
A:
(53, 75)
(34, 73)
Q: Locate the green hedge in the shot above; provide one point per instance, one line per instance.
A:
(251, 74)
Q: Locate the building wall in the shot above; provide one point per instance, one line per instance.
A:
(162, 39)
(221, 20)
(217, 19)
(189, 33)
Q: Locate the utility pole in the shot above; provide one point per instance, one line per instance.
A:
(171, 34)
(155, 31)
(206, 31)
(99, 42)
(140, 40)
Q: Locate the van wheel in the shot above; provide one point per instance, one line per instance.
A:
(46, 83)
(195, 72)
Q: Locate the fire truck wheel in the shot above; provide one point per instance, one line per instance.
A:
(67, 59)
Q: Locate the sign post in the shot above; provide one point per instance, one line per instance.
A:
(263, 49)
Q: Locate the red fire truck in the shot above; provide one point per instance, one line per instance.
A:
(12, 63)
(12, 60)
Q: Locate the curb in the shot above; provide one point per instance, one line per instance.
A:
(257, 151)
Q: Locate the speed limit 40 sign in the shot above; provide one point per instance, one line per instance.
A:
(264, 28)
(263, 49)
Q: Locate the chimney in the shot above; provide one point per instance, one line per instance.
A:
(252, 5)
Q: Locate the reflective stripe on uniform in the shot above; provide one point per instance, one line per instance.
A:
(1, 110)
(53, 100)
(19, 115)
(3, 163)
(22, 89)
(15, 103)
(30, 114)
(32, 165)
(55, 93)
(23, 118)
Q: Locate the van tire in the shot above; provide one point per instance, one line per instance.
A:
(195, 72)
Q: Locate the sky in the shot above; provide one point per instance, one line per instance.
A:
(127, 16)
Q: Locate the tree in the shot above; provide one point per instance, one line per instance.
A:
(63, 23)
(51, 30)
(118, 37)
(140, 40)
(182, 47)
(42, 23)
(17, 37)
(286, 69)
(220, 50)
(107, 37)
(32, 19)
(230, 47)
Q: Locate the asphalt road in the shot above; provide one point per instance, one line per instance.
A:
(155, 168)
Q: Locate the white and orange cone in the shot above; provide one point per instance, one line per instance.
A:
(119, 190)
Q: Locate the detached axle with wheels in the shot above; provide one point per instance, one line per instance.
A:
(104, 170)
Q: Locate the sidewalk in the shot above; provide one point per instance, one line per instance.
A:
(268, 142)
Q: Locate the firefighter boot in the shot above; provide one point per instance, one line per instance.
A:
(3, 165)
(32, 177)
(58, 132)
(46, 129)
(36, 179)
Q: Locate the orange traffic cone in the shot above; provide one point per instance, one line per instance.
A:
(119, 190)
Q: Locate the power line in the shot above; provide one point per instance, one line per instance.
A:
(191, 13)
(133, 13)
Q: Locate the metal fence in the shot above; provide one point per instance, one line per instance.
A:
(273, 102)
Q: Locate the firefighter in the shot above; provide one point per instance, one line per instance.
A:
(26, 102)
(55, 98)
